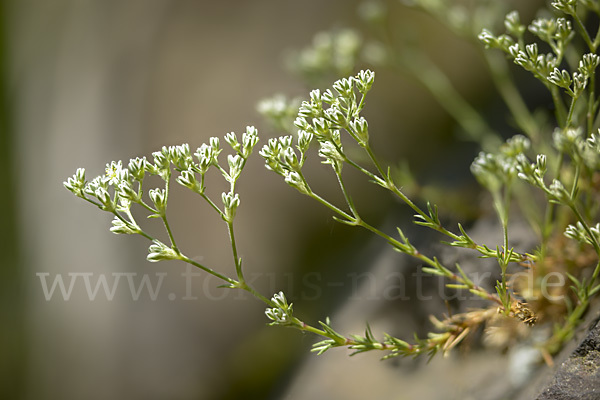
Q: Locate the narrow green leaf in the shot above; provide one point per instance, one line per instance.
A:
(456, 286)
(433, 271)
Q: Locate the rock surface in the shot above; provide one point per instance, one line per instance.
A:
(578, 378)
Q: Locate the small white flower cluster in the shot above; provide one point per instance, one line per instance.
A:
(281, 314)
(570, 142)
(555, 32)
(121, 179)
(120, 187)
(158, 251)
(533, 173)
(573, 143)
(566, 6)
(581, 234)
(323, 117)
(495, 170)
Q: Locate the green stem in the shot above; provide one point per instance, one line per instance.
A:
(501, 204)
(592, 237)
(570, 114)
(360, 168)
(308, 328)
(347, 217)
(237, 261)
(130, 224)
(547, 228)
(584, 33)
(147, 207)
(369, 151)
(597, 38)
(389, 184)
(565, 332)
(423, 214)
(412, 251)
(585, 226)
(244, 286)
(575, 181)
(92, 201)
(347, 197)
(169, 232)
(212, 204)
(361, 104)
(591, 101)
(227, 279)
(594, 276)
(559, 105)
(233, 283)
(163, 214)
(140, 232)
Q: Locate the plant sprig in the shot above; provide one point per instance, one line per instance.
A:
(332, 120)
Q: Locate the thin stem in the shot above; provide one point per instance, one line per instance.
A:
(169, 232)
(131, 222)
(332, 207)
(597, 38)
(570, 114)
(100, 206)
(566, 331)
(359, 167)
(412, 251)
(361, 104)
(559, 105)
(549, 217)
(501, 204)
(163, 214)
(233, 283)
(594, 276)
(375, 161)
(139, 231)
(591, 101)
(547, 226)
(308, 328)
(426, 217)
(584, 33)
(236, 260)
(586, 227)
(147, 207)
(227, 279)
(212, 204)
(575, 180)
(592, 237)
(244, 286)
(389, 184)
(369, 152)
(347, 197)
(505, 218)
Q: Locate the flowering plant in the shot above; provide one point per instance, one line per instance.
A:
(561, 163)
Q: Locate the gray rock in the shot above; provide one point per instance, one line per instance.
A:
(578, 378)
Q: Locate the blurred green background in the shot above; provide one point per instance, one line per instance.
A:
(87, 82)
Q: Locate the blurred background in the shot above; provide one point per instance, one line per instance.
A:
(86, 82)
